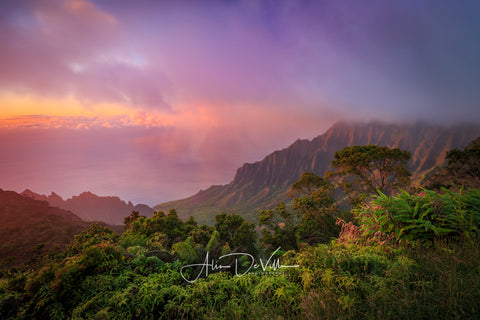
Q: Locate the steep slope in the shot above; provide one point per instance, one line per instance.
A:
(262, 184)
(89, 206)
(27, 223)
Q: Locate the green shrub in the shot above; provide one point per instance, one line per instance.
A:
(424, 217)
(185, 252)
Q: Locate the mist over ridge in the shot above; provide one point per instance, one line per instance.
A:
(262, 184)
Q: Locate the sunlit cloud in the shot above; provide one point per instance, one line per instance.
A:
(74, 49)
(81, 122)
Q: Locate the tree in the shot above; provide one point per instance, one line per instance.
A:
(202, 234)
(312, 193)
(313, 200)
(362, 170)
(280, 228)
(95, 234)
(140, 228)
(174, 227)
(237, 232)
(462, 169)
(127, 221)
(311, 218)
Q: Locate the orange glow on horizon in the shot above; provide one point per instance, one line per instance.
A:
(28, 110)
(21, 105)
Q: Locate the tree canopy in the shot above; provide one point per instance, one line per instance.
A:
(236, 232)
(362, 170)
(462, 169)
(310, 218)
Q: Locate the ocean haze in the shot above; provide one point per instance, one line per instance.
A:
(142, 165)
(156, 165)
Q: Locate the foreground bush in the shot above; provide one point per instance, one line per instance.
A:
(424, 217)
(346, 279)
(355, 281)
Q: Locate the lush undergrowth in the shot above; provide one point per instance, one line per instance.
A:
(408, 256)
(354, 281)
(340, 280)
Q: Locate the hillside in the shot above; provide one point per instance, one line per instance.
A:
(27, 223)
(262, 184)
(91, 207)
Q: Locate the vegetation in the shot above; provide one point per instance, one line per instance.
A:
(362, 170)
(396, 255)
(30, 229)
(463, 169)
(424, 217)
(309, 219)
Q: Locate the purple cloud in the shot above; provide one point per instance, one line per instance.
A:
(61, 48)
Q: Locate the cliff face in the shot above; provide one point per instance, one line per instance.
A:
(261, 184)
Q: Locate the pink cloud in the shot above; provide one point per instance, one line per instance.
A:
(76, 25)
(74, 48)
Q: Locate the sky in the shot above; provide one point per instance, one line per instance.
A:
(154, 100)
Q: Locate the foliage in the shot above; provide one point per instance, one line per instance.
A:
(424, 217)
(94, 235)
(127, 221)
(355, 281)
(311, 218)
(280, 228)
(185, 251)
(361, 170)
(462, 169)
(313, 199)
(348, 278)
(214, 241)
(160, 231)
(238, 233)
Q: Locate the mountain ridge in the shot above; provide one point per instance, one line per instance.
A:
(91, 207)
(262, 184)
(28, 223)
(32, 225)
